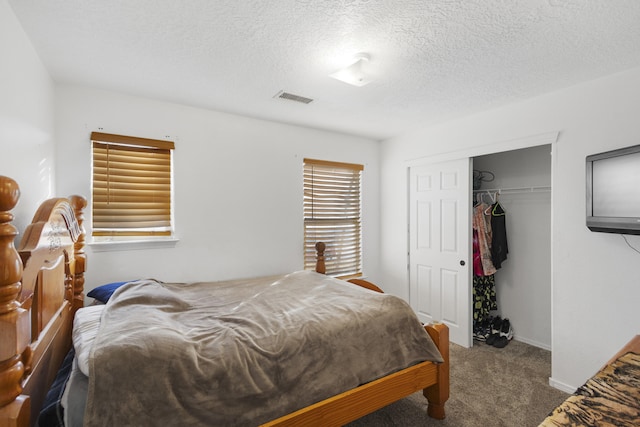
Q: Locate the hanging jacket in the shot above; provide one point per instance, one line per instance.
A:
(499, 248)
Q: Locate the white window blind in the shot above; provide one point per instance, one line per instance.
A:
(332, 214)
(132, 185)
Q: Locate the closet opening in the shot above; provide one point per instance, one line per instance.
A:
(514, 189)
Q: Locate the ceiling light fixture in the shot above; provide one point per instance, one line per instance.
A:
(354, 73)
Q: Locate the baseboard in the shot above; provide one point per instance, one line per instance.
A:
(532, 342)
(562, 386)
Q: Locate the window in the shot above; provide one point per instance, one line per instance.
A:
(132, 187)
(332, 214)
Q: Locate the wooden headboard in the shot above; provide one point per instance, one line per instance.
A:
(41, 287)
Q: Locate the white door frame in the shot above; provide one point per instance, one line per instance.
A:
(548, 138)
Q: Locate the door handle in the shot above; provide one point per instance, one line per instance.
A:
(462, 262)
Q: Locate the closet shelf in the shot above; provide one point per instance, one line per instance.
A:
(514, 190)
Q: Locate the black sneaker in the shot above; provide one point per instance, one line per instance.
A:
(506, 335)
(495, 330)
(481, 330)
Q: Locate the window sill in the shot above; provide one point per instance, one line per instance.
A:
(130, 245)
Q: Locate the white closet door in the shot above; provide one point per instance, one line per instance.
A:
(440, 246)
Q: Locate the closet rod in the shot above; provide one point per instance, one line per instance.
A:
(514, 189)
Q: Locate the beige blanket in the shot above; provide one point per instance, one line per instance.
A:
(240, 353)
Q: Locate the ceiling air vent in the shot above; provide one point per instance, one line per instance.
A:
(291, 97)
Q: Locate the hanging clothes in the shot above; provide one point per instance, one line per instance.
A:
(499, 247)
(484, 291)
(477, 261)
(484, 298)
(482, 224)
(489, 252)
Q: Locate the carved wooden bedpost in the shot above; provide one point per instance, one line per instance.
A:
(79, 203)
(320, 265)
(438, 393)
(14, 321)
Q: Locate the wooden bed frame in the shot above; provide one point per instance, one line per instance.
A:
(41, 287)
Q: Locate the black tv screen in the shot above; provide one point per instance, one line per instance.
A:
(613, 191)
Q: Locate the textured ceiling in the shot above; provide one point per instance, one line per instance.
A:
(430, 60)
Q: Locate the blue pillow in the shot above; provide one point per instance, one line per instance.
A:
(104, 292)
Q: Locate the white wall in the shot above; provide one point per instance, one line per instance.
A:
(238, 186)
(523, 284)
(26, 118)
(595, 287)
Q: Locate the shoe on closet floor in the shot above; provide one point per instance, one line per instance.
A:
(482, 329)
(496, 325)
(506, 335)
(479, 334)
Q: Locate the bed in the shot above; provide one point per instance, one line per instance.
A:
(38, 316)
(610, 398)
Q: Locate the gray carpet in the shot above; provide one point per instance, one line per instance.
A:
(506, 387)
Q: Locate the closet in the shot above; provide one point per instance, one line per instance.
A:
(521, 182)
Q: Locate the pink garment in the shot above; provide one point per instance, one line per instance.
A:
(477, 262)
(482, 223)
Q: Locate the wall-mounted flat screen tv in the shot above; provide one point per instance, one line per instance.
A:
(613, 191)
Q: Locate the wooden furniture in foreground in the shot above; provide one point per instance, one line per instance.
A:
(632, 346)
(41, 287)
(610, 398)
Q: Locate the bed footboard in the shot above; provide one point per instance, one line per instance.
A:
(432, 378)
(358, 402)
